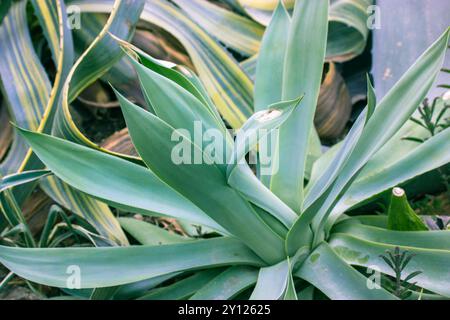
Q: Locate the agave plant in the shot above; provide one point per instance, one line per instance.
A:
(53, 91)
(279, 235)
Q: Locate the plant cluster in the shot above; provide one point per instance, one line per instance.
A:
(268, 230)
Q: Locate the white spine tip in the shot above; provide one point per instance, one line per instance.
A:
(446, 96)
(398, 192)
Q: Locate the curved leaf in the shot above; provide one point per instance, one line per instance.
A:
(389, 116)
(272, 282)
(113, 180)
(24, 80)
(101, 54)
(236, 31)
(229, 87)
(149, 234)
(439, 239)
(269, 70)
(40, 103)
(302, 75)
(228, 284)
(17, 179)
(195, 179)
(111, 266)
(434, 264)
(335, 278)
(425, 157)
(184, 288)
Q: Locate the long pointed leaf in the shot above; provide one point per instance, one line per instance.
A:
(335, 278)
(302, 75)
(112, 179)
(196, 179)
(272, 282)
(434, 264)
(111, 266)
(228, 284)
(438, 239)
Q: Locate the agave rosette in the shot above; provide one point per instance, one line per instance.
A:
(274, 234)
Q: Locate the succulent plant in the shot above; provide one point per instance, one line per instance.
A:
(276, 233)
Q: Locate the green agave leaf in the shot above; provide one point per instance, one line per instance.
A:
(290, 293)
(347, 29)
(121, 74)
(240, 176)
(228, 284)
(379, 221)
(317, 191)
(50, 224)
(236, 31)
(302, 75)
(347, 24)
(319, 186)
(423, 158)
(321, 164)
(401, 217)
(398, 147)
(306, 294)
(336, 279)
(269, 79)
(42, 100)
(199, 86)
(274, 223)
(371, 98)
(249, 67)
(106, 293)
(269, 73)
(111, 266)
(178, 74)
(14, 216)
(244, 180)
(272, 282)
(113, 180)
(182, 110)
(405, 96)
(17, 179)
(137, 289)
(169, 93)
(269, 70)
(394, 151)
(101, 54)
(149, 234)
(52, 16)
(183, 289)
(20, 68)
(259, 125)
(229, 87)
(259, 10)
(439, 239)
(434, 264)
(97, 213)
(53, 19)
(196, 179)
